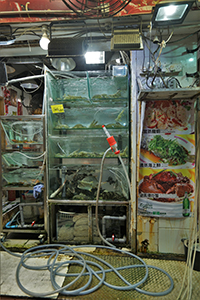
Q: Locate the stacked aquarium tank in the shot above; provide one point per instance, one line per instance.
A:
(77, 105)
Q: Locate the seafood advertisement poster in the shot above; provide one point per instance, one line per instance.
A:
(167, 150)
(167, 158)
(169, 116)
(161, 191)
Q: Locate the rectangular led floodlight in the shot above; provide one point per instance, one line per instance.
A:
(167, 13)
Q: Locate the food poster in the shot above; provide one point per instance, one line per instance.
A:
(175, 116)
(167, 159)
(167, 150)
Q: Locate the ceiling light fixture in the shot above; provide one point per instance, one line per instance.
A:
(168, 12)
(31, 84)
(95, 57)
(63, 64)
(44, 41)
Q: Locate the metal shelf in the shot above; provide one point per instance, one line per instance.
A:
(87, 202)
(8, 215)
(17, 188)
(22, 117)
(168, 94)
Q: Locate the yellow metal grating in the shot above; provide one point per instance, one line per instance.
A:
(156, 281)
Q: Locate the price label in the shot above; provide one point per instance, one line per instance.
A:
(56, 109)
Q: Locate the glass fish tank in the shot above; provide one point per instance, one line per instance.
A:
(22, 153)
(70, 86)
(102, 85)
(23, 131)
(83, 118)
(81, 183)
(94, 86)
(86, 145)
(77, 105)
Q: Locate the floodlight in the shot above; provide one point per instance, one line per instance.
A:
(167, 13)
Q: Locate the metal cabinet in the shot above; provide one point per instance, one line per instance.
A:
(22, 162)
(77, 105)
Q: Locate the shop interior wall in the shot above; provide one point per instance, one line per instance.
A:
(12, 110)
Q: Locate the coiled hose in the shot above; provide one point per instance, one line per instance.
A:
(54, 267)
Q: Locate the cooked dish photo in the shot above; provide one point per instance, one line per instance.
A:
(168, 150)
(166, 182)
(166, 115)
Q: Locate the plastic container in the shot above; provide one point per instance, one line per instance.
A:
(11, 195)
(197, 257)
(119, 71)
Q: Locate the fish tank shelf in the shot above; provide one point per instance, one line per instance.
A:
(85, 146)
(22, 177)
(80, 86)
(93, 118)
(16, 159)
(81, 183)
(23, 130)
(77, 106)
(168, 94)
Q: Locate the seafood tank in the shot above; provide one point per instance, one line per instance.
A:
(22, 157)
(77, 105)
(22, 169)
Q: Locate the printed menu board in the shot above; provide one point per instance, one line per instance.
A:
(167, 159)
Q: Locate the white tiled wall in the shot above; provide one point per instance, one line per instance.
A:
(170, 233)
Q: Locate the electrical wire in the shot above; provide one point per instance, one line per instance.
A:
(186, 287)
(173, 78)
(183, 38)
(31, 29)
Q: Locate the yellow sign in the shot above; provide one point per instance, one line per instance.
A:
(57, 108)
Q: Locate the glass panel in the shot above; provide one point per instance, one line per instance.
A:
(81, 183)
(78, 104)
(76, 146)
(83, 118)
(18, 131)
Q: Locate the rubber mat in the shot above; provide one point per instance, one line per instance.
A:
(156, 281)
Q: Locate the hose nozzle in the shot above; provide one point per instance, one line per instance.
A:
(111, 141)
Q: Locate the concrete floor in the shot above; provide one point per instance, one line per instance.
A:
(156, 281)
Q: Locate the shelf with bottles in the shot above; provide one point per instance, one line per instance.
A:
(89, 145)
(80, 182)
(73, 118)
(25, 130)
(93, 86)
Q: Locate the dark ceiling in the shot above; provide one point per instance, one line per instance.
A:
(25, 57)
